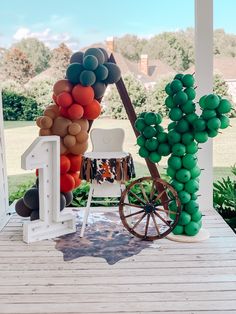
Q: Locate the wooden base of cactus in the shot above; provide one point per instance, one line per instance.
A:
(144, 208)
(202, 235)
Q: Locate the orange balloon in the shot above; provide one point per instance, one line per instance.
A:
(63, 112)
(75, 162)
(64, 164)
(62, 86)
(84, 95)
(64, 99)
(82, 137)
(92, 111)
(75, 111)
(67, 183)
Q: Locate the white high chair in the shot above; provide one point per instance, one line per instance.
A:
(106, 144)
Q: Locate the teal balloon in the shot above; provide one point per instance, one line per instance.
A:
(212, 101)
(101, 72)
(77, 57)
(224, 122)
(105, 54)
(90, 63)
(114, 73)
(224, 106)
(195, 172)
(99, 90)
(87, 78)
(96, 52)
(73, 72)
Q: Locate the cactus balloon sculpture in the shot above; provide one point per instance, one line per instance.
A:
(187, 130)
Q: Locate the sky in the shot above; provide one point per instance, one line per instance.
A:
(80, 23)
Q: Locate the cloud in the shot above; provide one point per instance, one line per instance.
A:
(50, 38)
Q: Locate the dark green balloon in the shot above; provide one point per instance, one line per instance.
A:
(169, 102)
(150, 118)
(159, 128)
(178, 149)
(224, 106)
(192, 228)
(202, 102)
(189, 161)
(212, 101)
(191, 207)
(175, 162)
(140, 124)
(173, 137)
(212, 133)
(178, 230)
(188, 80)
(175, 114)
(163, 149)
(199, 124)
(188, 107)
(158, 118)
(73, 73)
(151, 144)
(176, 85)
(184, 197)
(178, 186)
(180, 98)
(171, 126)
(190, 93)
(192, 148)
(201, 137)
(208, 114)
(194, 196)
(179, 76)
(87, 78)
(149, 131)
(101, 72)
(170, 172)
(143, 152)
(224, 122)
(154, 157)
(168, 90)
(191, 117)
(187, 138)
(96, 52)
(197, 216)
(192, 186)
(184, 218)
(183, 175)
(162, 137)
(195, 172)
(213, 123)
(141, 140)
(182, 126)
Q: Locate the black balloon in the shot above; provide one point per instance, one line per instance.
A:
(34, 215)
(77, 57)
(99, 89)
(106, 57)
(68, 197)
(114, 73)
(21, 209)
(62, 201)
(31, 198)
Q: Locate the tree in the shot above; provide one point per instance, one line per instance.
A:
(137, 93)
(38, 54)
(16, 66)
(130, 46)
(60, 60)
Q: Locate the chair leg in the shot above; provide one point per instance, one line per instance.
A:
(86, 211)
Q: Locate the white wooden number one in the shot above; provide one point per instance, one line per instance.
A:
(44, 154)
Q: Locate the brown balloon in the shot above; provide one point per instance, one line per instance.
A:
(79, 148)
(38, 121)
(45, 132)
(46, 122)
(63, 149)
(82, 137)
(83, 123)
(74, 128)
(60, 126)
(62, 86)
(69, 141)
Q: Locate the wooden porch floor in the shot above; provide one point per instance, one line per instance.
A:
(174, 278)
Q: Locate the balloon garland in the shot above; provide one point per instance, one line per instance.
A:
(181, 142)
(76, 101)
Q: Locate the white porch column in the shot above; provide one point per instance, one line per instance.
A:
(204, 81)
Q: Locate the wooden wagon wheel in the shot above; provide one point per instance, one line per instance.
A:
(149, 208)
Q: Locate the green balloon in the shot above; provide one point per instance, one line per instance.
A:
(197, 216)
(170, 172)
(195, 172)
(142, 114)
(180, 98)
(143, 152)
(158, 118)
(212, 101)
(202, 102)
(190, 93)
(191, 117)
(176, 85)
(199, 124)
(178, 186)
(175, 114)
(188, 107)
(90, 63)
(187, 139)
(168, 90)
(189, 161)
(192, 148)
(169, 102)
(224, 106)
(178, 149)
(101, 72)
(194, 196)
(208, 114)
(192, 228)
(163, 149)
(150, 118)
(184, 218)
(149, 131)
(184, 197)
(224, 122)
(212, 133)
(162, 137)
(192, 186)
(174, 162)
(182, 126)
(141, 140)
(140, 124)
(178, 230)
(87, 78)
(213, 123)
(173, 137)
(159, 128)
(191, 207)
(199, 223)
(188, 80)
(73, 72)
(201, 137)
(173, 206)
(183, 175)
(171, 126)
(154, 157)
(179, 76)
(151, 144)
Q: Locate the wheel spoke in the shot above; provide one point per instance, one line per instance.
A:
(144, 193)
(152, 190)
(159, 216)
(159, 196)
(165, 210)
(133, 214)
(155, 223)
(138, 221)
(132, 205)
(147, 224)
(136, 196)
